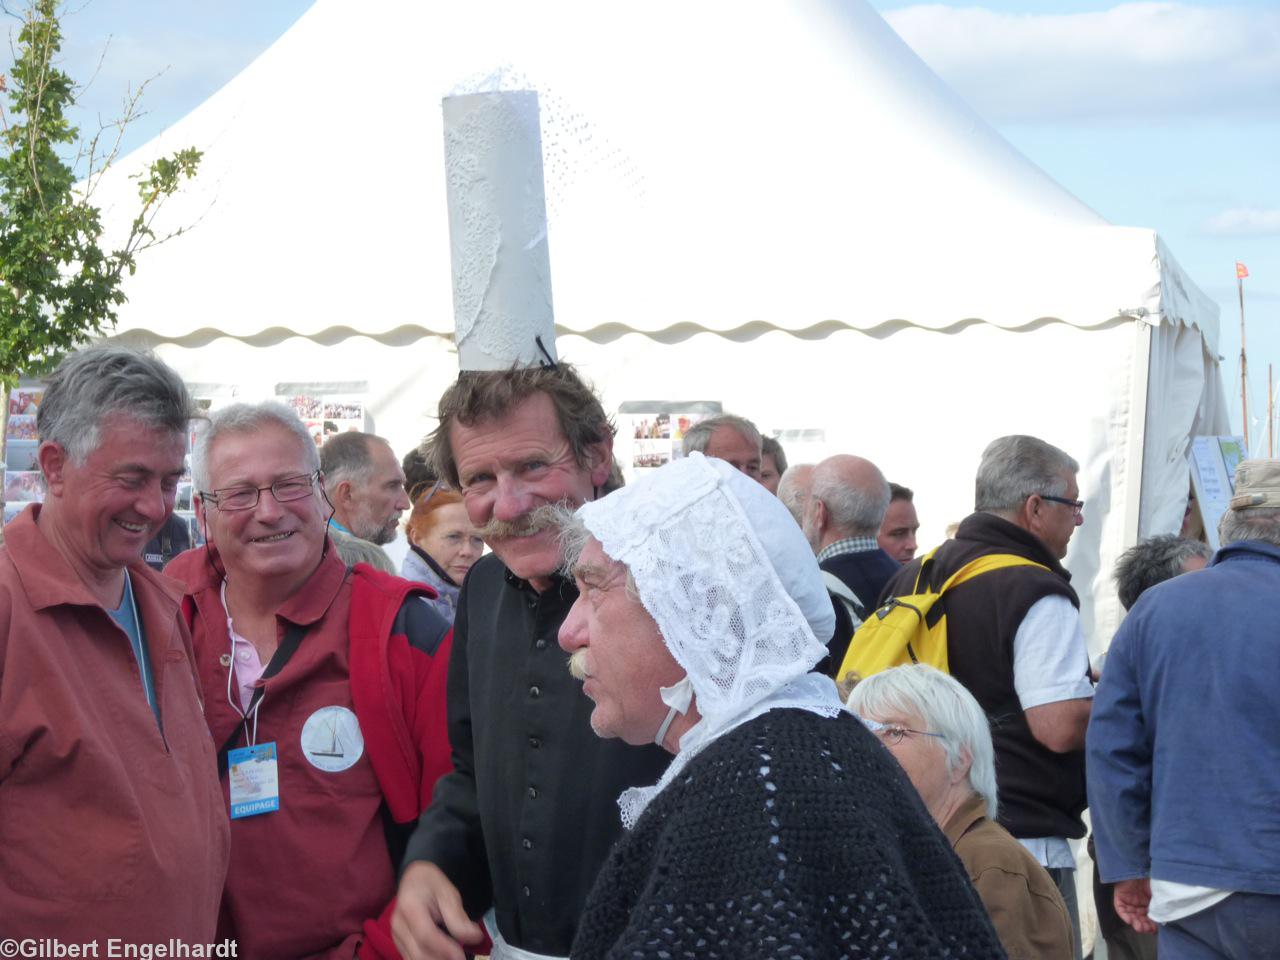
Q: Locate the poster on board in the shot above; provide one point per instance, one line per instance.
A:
(1213, 479)
(329, 414)
(651, 432)
(25, 401)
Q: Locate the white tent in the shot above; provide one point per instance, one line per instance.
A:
(775, 205)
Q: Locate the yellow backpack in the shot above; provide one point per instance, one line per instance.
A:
(899, 632)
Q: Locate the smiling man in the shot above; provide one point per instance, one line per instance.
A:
(111, 821)
(324, 690)
(520, 828)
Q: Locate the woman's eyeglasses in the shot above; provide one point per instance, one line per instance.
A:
(891, 734)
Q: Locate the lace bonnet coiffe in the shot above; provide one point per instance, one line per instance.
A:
(734, 587)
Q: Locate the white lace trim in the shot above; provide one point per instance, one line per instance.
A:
(812, 692)
(724, 570)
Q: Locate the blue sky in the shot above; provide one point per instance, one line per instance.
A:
(1156, 114)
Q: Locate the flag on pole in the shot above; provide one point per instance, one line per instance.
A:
(1241, 270)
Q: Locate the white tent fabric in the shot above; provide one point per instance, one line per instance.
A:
(771, 203)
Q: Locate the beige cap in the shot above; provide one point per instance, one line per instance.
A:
(1257, 484)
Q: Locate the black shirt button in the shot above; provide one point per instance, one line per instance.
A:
(535, 743)
(541, 644)
(527, 843)
(535, 692)
(533, 793)
(525, 891)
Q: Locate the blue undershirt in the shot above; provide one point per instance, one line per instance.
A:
(126, 615)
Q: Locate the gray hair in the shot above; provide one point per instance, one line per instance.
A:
(348, 457)
(855, 511)
(794, 489)
(248, 418)
(1153, 561)
(353, 550)
(769, 447)
(574, 536)
(698, 437)
(104, 380)
(944, 706)
(1013, 468)
(1253, 523)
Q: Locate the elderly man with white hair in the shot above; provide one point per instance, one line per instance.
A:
(934, 727)
(324, 688)
(780, 828)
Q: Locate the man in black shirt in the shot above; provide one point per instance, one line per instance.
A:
(173, 538)
(521, 827)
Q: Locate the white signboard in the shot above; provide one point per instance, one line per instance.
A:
(1213, 477)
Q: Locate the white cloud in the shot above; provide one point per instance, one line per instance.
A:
(1148, 61)
(1245, 222)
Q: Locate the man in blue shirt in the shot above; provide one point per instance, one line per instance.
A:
(1183, 747)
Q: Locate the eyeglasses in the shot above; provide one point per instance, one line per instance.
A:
(246, 498)
(417, 491)
(1077, 506)
(891, 734)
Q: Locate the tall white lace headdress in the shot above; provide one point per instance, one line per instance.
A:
(735, 589)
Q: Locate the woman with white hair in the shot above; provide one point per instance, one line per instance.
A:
(935, 729)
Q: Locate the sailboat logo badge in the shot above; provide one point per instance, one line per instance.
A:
(331, 739)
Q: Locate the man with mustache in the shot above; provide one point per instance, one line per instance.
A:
(521, 827)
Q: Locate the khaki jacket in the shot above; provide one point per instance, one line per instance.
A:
(1026, 908)
(109, 827)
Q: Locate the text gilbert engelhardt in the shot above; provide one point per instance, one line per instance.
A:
(42, 947)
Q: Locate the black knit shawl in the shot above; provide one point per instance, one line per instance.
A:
(792, 836)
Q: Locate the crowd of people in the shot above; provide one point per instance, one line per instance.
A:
(601, 720)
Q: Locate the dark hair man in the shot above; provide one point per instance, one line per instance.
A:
(112, 822)
(419, 474)
(524, 822)
(1156, 560)
(897, 536)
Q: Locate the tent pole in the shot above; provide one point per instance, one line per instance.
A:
(1271, 415)
(1244, 370)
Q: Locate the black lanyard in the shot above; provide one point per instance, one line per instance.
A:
(293, 635)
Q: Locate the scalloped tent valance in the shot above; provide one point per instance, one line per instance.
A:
(710, 166)
(772, 204)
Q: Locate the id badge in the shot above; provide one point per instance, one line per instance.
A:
(254, 780)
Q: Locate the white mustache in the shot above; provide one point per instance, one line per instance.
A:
(578, 665)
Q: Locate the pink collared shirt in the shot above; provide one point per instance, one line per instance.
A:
(246, 663)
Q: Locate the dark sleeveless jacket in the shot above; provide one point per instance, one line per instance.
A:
(1042, 793)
